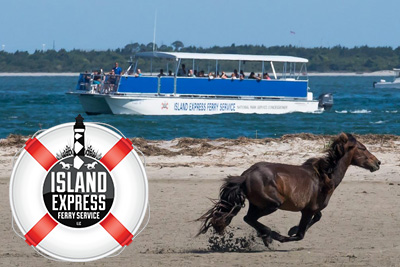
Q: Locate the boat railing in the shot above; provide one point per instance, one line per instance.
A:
(98, 83)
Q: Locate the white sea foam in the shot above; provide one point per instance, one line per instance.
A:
(379, 122)
(391, 111)
(358, 111)
(361, 111)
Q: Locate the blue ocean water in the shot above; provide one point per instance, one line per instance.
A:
(28, 104)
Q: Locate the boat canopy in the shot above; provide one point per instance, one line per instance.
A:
(210, 56)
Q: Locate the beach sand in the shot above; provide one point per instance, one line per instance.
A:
(360, 226)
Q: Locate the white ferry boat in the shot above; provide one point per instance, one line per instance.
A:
(177, 94)
(394, 84)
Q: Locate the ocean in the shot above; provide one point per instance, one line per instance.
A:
(28, 104)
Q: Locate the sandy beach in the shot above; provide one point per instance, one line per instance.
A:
(360, 226)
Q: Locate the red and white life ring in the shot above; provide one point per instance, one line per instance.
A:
(56, 237)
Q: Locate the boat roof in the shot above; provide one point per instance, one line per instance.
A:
(211, 56)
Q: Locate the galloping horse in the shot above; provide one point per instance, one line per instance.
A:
(272, 186)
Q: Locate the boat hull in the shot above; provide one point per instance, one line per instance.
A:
(133, 105)
(395, 85)
(94, 104)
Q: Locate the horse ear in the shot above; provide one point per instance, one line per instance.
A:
(343, 137)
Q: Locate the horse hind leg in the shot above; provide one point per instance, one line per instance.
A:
(293, 231)
(304, 222)
(253, 214)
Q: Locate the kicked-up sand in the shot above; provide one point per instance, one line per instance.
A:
(360, 226)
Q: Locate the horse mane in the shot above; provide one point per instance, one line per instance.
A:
(324, 166)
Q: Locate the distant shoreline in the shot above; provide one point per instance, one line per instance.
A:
(76, 74)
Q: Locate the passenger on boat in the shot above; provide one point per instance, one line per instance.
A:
(223, 75)
(253, 76)
(112, 78)
(201, 73)
(235, 72)
(117, 69)
(266, 76)
(182, 71)
(242, 73)
(86, 77)
(233, 76)
(161, 73)
(110, 82)
(191, 74)
(170, 73)
(96, 77)
(211, 76)
(138, 73)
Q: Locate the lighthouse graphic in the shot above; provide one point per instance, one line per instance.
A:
(79, 142)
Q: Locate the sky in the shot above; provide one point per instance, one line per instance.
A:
(29, 25)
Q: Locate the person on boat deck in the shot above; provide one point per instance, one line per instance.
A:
(110, 81)
(223, 75)
(253, 76)
(182, 71)
(96, 77)
(138, 73)
(235, 73)
(111, 78)
(170, 73)
(266, 76)
(117, 69)
(242, 73)
(191, 74)
(86, 77)
(161, 73)
(201, 73)
(211, 76)
(233, 76)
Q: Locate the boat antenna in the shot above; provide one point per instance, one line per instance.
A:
(154, 32)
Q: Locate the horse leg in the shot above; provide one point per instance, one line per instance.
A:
(293, 231)
(306, 218)
(253, 214)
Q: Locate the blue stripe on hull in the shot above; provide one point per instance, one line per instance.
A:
(220, 87)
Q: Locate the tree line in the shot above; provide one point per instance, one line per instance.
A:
(321, 59)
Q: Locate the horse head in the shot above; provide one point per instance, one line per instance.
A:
(361, 157)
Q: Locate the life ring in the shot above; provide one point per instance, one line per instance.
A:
(84, 212)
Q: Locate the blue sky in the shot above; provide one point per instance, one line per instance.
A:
(26, 25)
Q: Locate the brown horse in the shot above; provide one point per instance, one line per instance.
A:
(272, 186)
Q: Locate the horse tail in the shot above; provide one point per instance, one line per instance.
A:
(231, 200)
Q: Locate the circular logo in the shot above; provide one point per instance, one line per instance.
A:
(78, 191)
(78, 194)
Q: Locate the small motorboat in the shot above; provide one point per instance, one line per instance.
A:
(394, 84)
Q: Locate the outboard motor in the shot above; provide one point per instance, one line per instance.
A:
(325, 101)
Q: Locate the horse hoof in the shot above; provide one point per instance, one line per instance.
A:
(267, 240)
(293, 231)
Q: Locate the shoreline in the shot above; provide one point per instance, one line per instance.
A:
(199, 147)
(73, 74)
(17, 138)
